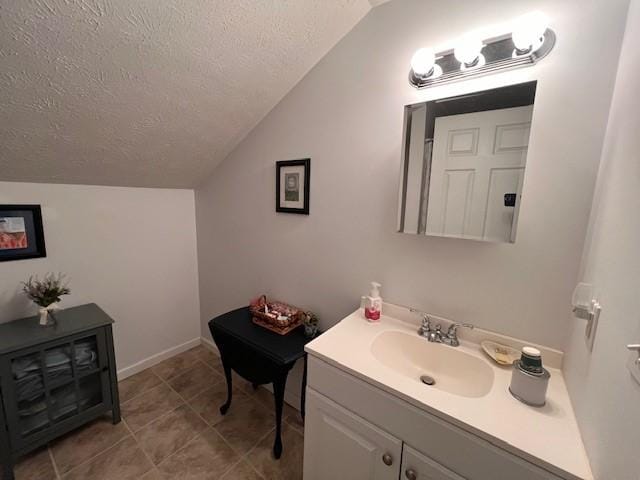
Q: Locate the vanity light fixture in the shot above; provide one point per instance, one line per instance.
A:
(528, 33)
(468, 52)
(422, 62)
(424, 66)
(530, 40)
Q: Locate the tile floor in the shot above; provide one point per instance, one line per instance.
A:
(172, 428)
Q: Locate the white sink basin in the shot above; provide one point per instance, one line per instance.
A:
(453, 370)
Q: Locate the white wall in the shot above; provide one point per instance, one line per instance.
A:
(130, 250)
(605, 398)
(347, 115)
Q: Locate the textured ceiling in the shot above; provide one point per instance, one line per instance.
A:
(148, 92)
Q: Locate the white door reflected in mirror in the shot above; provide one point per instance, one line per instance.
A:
(464, 164)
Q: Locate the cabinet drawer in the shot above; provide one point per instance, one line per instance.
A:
(339, 444)
(465, 453)
(416, 466)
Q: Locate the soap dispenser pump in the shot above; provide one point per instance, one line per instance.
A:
(373, 304)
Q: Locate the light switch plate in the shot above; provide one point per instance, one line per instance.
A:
(634, 366)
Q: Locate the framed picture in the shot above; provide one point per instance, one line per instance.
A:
(21, 233)
(292, 186)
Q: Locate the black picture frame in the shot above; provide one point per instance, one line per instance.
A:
(34, 232)
(306, 183)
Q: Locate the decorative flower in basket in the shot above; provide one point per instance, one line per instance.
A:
(46, 294)
(277, 316)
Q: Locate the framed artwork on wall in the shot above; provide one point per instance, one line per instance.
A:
(292, 186)
(21, 232)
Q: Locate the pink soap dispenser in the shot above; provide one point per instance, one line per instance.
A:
(373, 303)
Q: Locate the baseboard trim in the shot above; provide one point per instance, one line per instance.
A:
(290, 396)
(157, 358)
(210, 345)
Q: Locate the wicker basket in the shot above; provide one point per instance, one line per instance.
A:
(272, 317)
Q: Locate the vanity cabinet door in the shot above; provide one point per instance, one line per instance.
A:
(416, 466)
(339, 444)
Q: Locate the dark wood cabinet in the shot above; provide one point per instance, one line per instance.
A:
(54, 379)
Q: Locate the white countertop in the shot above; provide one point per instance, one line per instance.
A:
(546, 436)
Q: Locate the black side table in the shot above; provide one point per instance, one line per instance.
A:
(259, 356)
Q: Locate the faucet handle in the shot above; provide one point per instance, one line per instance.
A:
(426, 321)
(453, 328)
(425, 318)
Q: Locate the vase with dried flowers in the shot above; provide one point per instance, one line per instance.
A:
(310, 324)
(46, 294)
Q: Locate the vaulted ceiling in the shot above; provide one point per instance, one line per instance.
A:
(149, 92)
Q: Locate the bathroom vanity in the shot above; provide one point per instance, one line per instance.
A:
(369, 416)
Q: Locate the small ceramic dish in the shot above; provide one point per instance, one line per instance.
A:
(501, 354)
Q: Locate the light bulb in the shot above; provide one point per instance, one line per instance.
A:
(528, 31)
(423, 61)
(468, 49)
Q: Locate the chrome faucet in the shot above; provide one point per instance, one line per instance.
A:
(425, 326)
(451, 338)
(435, 334)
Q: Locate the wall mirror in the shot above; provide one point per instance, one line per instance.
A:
(463, 164)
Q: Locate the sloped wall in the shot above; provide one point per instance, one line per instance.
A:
(346, 114)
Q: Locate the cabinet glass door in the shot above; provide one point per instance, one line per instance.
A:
(56, 383)
(30, 394)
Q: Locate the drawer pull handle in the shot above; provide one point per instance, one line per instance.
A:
(410, 474)
(387, 459)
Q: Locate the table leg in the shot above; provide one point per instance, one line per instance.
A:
(7, 472)
(303, 394)
(7, 463)
(227, 374)
(116, 417)
(278, 392)
(6, 458)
